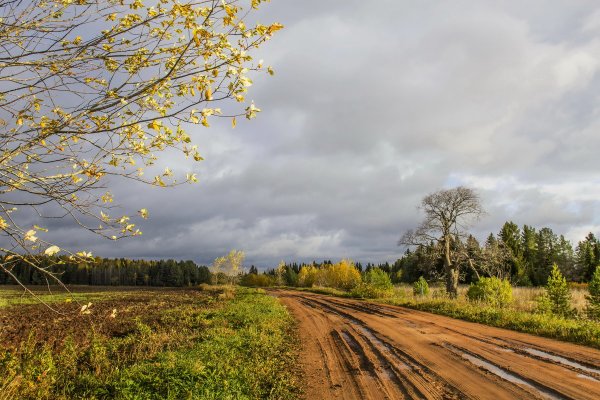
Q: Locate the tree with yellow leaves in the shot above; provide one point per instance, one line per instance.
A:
(308, 276)
(342, 275)
(92, 90)
(229, 265)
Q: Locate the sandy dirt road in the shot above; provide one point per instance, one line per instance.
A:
(359, 350)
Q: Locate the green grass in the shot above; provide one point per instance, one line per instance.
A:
(576, 329)
(10, 296)
(238, 344)
(580, 331)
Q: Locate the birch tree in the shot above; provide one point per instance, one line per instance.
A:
(94, 91)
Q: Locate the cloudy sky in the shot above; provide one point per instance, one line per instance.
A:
(373, 106)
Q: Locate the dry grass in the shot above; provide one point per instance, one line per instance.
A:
(524, 298)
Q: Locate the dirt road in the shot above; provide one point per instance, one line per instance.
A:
(359, 350)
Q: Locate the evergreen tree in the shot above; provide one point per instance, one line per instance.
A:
(529, 249)
(587, 256)
(565, 258)
(546, 255)
(593, 307)
(510, 235)
(557, 293)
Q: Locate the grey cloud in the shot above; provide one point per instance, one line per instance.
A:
(374, 105)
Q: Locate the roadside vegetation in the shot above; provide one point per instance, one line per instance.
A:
(523, 279)
(557, 310)
(206, 343)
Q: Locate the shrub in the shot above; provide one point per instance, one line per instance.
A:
(368, 291)
(557, 299)
(494, 291)
(378, 279)
(257, 280)
(420, 287)
(377, 284)
(593, 307)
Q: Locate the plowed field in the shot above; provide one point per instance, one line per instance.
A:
(358, 350)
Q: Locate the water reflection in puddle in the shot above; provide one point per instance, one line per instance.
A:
(561, 360)
(507, 376)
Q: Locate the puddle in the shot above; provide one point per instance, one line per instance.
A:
(351, 342)
(507, 376)
(386, 369)
(384, 348)
(561, 360)
(589, 378)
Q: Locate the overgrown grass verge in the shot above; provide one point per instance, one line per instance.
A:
(575, 330)
(218, 346)
(578, 331)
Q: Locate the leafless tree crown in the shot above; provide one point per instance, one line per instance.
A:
(448, 212)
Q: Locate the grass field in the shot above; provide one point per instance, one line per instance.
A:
(161, 344)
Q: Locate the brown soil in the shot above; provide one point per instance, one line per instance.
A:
(358, 350)
(40, 326)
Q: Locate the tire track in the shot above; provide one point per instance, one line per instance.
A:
(361, 350)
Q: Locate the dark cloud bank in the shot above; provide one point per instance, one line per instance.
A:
(375, 105)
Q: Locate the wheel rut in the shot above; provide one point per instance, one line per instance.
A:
(354, 349)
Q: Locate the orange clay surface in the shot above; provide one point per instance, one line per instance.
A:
(354, 349)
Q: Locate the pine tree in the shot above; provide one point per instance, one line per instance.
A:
(557, 293)
(587, 256)
(593, 307)
(420, 287)
(529, 249)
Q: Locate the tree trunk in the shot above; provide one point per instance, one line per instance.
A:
(452, 281)
(451, 271)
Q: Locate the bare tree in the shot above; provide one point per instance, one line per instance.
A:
(92, 91)
(448, 214)
(495, 259)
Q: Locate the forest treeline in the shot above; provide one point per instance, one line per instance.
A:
(524, 256)
(109, 272)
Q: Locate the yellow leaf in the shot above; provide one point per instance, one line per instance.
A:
(30, 236)
(233, 123)
(274, 28)
(155, 125)
(52, 250)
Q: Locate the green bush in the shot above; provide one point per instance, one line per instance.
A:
(493, 291)
(369, 291)
(376, 284)
(593, 307)
(557, 299)
(420, 287)
(256, 280)
(378, 279)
